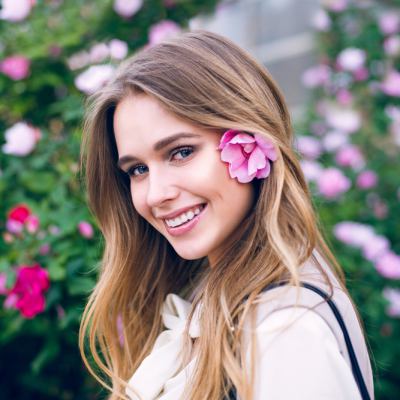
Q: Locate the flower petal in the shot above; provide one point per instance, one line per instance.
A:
(264, 172)
(233, 154)
(266, 146)
(242, 138)
(242, 173)
(257, 160)
(226, 138)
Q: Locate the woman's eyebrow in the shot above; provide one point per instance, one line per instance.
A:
(158, 146)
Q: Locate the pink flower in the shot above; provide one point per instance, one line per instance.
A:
(335, 5)
(118, 49)
(351, 59)
(367, 179)
(361, 74)
(127, 8)
(3, 281)
(31, 282)
(19, 213)
(15, 10)
(389, 23)
(78, 60)
(391, 84)
(318, 75)
(344, 97)
(248, 156)
(311, 169)
(308, 146)
(32, 223)
(15, 67)
(350, 156)
(391, 45)
(334, 140)
(94, 78)
(332, 183)
(353, 233)
(388, 265)
(321, 21)
(342, 118)
(85, 229)
(163, 30)
(15, 227)
(392, 295)
(98, 53)
(374, 247)
(21, 139)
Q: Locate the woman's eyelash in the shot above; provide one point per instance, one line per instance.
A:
(131, 171)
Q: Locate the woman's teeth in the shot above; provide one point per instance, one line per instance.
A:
(184, 217)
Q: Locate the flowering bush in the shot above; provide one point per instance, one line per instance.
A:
(351, 161)
(52, 54)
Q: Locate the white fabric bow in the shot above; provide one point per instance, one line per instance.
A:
(156, 376)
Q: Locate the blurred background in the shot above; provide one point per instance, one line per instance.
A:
(338, 64)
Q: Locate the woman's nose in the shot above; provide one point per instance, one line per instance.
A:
(161, 188)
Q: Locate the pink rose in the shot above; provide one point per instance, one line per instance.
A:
(332, 183)
(98, 53)
(321, 21)
(311, 169)
(15, 67)
(3, 281)
(248, 156)
(391, 84)
(308, 146)
(391, 45)
(388, 265)
(163, 30)
(335, 5)
(19, 213)
(127, 8)
(344, 97)
(118, 49)
(334, 140)
(367, 179)
(28, 290)
(353, 233)
(318, 75)
(389, 23)
(342, 118)
(85, 229)
(374, 247)
(32, 223)
(392, 295)
(350, 156)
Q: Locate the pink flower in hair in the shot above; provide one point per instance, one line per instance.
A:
(248, 155)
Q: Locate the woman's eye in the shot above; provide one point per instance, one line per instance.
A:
(136, 170)
(182, 153)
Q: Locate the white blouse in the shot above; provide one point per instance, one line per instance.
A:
(302, 362)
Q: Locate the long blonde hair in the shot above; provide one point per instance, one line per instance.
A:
(208, 81)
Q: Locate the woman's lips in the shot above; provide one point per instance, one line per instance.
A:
(187, 226)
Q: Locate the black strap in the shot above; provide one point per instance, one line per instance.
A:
(354, 363)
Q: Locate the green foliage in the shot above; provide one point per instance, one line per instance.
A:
(39, 356)
(357, 27)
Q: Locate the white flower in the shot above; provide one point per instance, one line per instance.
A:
(94, 78)
(343, 119)
(127, 8)
(351, 59)
(15, 10)
(98, 53)
(20, 139)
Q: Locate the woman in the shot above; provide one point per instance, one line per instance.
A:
(192, 177)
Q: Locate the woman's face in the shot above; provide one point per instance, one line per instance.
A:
(178, 182)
